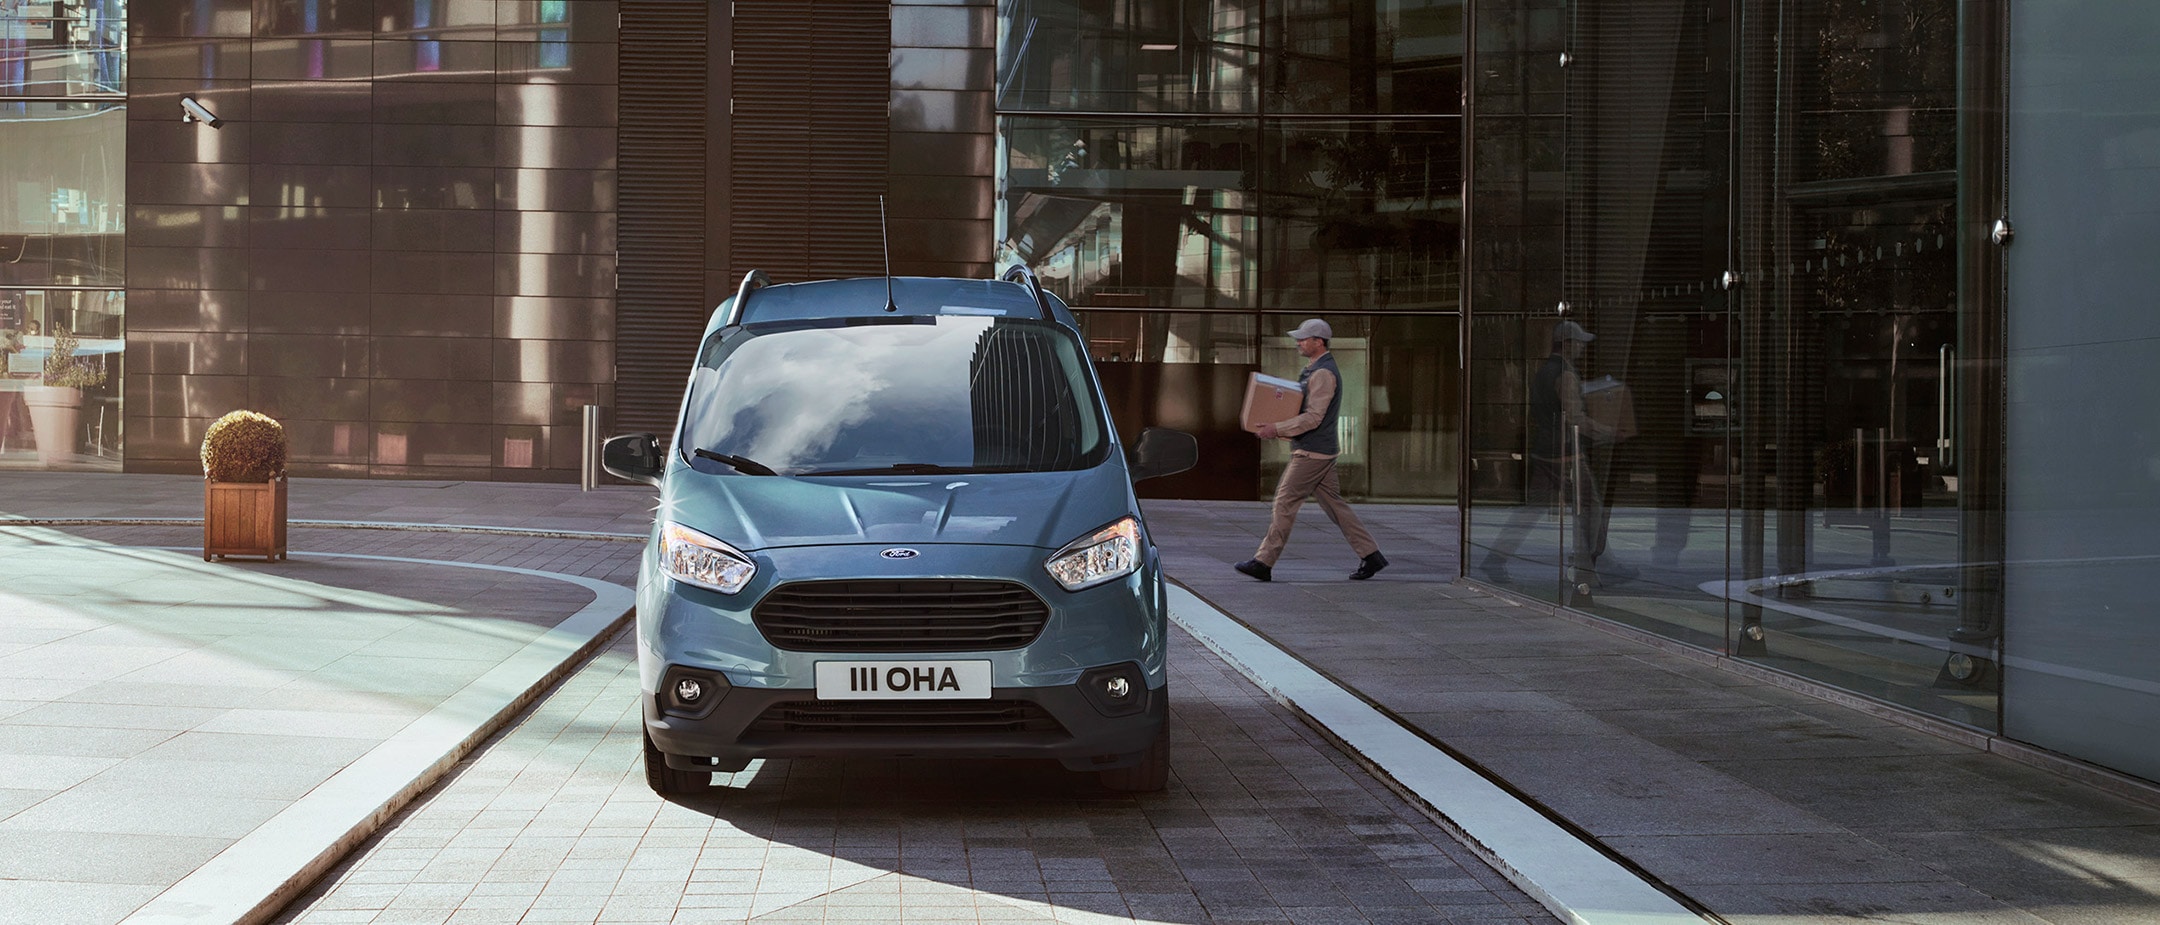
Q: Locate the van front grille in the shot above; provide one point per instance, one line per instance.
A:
(906, 717)
(900, 615)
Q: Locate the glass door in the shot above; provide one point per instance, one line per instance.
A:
(1735, 341)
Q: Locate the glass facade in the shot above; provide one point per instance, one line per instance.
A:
(1736, 348)
(1197, 177)
(400, 242)
(1803, 331)
(63, 212)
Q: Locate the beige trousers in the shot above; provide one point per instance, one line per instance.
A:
(1311, 475)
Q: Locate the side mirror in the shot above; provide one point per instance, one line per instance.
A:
(635, 457)
(1161, 451)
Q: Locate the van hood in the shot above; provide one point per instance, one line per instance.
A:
(1038, 509)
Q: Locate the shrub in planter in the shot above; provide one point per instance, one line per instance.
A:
(244, 446)
(55, 398)
(243, 456)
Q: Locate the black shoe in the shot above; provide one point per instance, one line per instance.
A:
(1370, 566)
(1256, 569)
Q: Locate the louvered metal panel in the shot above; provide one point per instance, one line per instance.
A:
(848, 155)
(812, 85)
(770, 137)
(660, 263)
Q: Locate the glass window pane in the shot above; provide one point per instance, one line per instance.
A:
(62, 48)
(62, 193)
(1363, 215)
(1185, 371)
(61, 353)
(1132, 213)
(1777, 466)
(1397, 422)
(1365, 56)
(1852, 555)
(1879, 97)
(1195, 56)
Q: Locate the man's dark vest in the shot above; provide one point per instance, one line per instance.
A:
(1545, 436)
(1321, 439)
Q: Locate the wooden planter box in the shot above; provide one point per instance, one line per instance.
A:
(244, 519)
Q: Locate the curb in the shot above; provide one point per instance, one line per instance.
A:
(1571, 878)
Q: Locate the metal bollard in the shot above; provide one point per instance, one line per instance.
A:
(589, 454)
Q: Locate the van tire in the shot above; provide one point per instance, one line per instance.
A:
(667, 781)
(1151, 775)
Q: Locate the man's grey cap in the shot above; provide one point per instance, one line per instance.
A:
(1313, 327)
(1567, 330)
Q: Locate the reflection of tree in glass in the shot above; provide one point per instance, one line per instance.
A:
(1886, 96)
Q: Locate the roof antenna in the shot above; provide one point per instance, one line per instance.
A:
(885, 237)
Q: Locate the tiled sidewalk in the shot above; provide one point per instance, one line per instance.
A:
(157, 710)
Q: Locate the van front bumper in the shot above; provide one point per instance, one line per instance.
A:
(1076, 724)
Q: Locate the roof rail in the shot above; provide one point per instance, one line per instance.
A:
(1021, 270)
(753, 280)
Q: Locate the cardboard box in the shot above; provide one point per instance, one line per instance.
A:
(1269, 400)
(1607, 401)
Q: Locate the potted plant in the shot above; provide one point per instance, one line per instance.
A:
(55, 400)
(243, 456)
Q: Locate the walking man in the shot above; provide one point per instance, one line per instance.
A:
(1313, 448)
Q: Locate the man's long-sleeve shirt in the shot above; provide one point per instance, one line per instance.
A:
(1319, 394)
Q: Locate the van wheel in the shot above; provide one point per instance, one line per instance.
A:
(1151, 775)
(667, 781)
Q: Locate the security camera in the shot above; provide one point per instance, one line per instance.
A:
(191, 111)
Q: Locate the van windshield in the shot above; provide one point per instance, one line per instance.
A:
(893, 395)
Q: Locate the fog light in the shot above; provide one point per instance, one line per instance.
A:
(690, 692)
(1115, 690)
(1754, 632)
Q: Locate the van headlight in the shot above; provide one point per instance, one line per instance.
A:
(1109, 553)
(694, 558)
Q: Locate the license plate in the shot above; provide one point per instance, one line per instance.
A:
(903, 680)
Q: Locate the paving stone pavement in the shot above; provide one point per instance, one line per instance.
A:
(156, 710)
(1765, 804)
(1265, 821)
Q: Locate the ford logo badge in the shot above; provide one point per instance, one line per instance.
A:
(900, 552)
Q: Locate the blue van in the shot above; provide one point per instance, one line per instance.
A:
(895, 519)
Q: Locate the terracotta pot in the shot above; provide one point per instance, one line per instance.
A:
(54, 413)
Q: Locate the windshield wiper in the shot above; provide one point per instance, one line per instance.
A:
(901, 469)
(742, 464)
